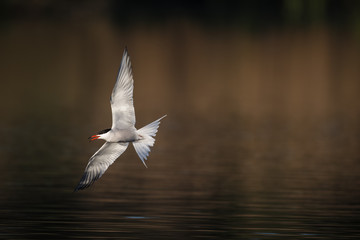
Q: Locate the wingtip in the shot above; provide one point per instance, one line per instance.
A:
(162, 117)
(84, 183)
(125, 60)
(79, 187)
(82, 186)
(144, 163)
(125, 51)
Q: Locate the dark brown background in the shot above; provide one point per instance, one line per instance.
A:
(261, 139)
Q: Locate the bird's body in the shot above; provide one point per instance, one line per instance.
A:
(122, 131)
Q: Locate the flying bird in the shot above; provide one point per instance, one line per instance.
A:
(122, 131)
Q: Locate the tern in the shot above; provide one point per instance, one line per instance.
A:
(122, 131)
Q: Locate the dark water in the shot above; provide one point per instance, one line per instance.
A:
(261, 139)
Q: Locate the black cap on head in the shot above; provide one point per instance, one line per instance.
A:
(104, 131)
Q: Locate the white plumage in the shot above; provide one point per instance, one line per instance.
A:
(122, 130)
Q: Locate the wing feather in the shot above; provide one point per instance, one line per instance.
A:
(100, 162)
(122, 104)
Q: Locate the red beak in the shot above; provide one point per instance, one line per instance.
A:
(93, 137)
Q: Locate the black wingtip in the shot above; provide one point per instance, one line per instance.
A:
(81, 187)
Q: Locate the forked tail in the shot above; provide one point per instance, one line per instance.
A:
(142, 146)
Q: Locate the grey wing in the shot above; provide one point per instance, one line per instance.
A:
(122, 106)
(99, 162)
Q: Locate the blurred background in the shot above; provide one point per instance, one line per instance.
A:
(261, 139)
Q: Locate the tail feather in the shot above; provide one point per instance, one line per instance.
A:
(142, 146)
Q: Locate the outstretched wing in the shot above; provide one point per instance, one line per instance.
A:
(99, 162)
(122, 106)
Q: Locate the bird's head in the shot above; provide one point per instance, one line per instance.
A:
(99, 135)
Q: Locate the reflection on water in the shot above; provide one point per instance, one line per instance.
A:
(261, 139)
